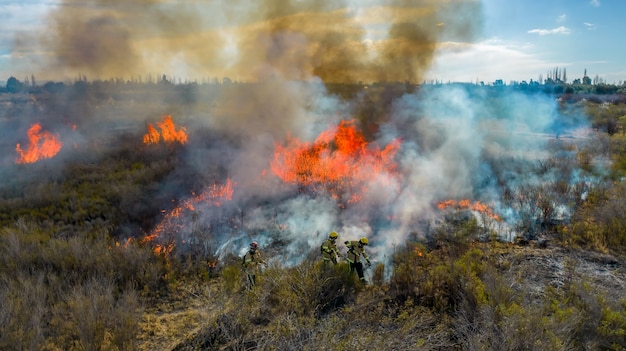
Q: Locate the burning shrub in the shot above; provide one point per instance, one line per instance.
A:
(339, 162)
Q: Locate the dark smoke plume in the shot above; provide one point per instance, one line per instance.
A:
(340, 41)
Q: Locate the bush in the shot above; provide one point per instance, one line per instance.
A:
(46, 278)
(599, 224)
(422, 277)
(23, 311)
(612, 328)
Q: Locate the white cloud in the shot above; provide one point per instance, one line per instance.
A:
(23, 16)
(562, 18)
(558, 30)
(590, 26)
(487, 61)
(595, 3)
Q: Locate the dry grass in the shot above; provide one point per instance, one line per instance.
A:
(527, 287)
(181, 316)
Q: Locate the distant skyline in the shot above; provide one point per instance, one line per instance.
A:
(512, 40)
(525, 38)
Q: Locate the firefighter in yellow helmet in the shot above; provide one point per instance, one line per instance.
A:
(329, 249)
(356, 249)
(251, 262)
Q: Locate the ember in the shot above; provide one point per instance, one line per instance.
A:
(41, 144)
(169, 133)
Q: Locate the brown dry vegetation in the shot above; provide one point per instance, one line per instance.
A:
(493, 297)
(457, 294)
(66, 283)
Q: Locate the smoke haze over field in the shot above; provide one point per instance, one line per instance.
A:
(453, 142)
(339, 41)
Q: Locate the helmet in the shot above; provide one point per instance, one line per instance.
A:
(333, 235)
(254, 245)
(364, 241)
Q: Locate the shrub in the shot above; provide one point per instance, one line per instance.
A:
(422, 277)
(23, 311)
(308, 288)
(612, 328)
(45, 278)
(599, 224)
(232, 278)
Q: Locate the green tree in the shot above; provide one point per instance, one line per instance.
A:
(14, 85)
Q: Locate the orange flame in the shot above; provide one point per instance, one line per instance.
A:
(41, 144)
(169, 133)
(338, 161)
(152, 137)
(126, 244)
(466, 204)
(163, 249)
(214, 195)
(212, 263)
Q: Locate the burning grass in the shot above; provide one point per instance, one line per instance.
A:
(467, 204)
(175, 220)
(167, 132)
(339, 162)
(41, 144)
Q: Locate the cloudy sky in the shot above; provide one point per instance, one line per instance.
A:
(524, 38)
(348, 40)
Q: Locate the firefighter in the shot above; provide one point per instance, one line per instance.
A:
(356, 249)
(329, 249)
(251, 262)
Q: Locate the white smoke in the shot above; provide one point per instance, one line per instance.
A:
(449, 136)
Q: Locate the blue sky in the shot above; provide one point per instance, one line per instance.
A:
(518, 40)
(525, 38)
